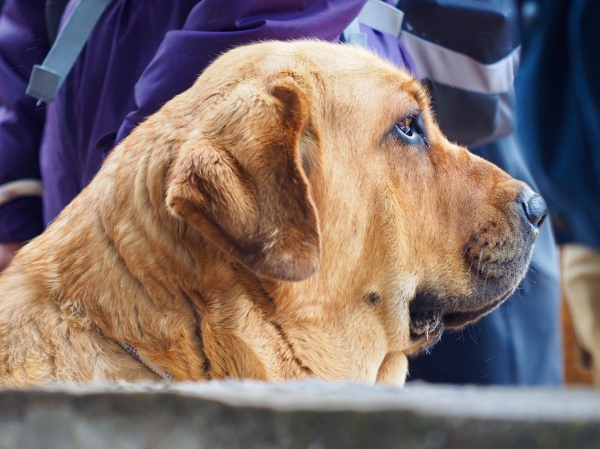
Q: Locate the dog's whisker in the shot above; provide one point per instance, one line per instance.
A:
(484, 283)
(466, 249)
(473, 336)
(471, 280)
(479, 263)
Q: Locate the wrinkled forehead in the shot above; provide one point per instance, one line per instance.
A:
(348, 64)
(365, 83)
(359, 79)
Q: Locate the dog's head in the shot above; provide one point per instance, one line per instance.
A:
(321, 169)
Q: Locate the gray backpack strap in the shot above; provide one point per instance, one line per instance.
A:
(47, 78)
(377, 15)
(54, 12)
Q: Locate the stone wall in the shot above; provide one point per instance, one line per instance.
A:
(309, 415)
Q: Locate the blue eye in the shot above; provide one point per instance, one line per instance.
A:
(406, 130)
(410, 130)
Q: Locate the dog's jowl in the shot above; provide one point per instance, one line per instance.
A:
(296, 213)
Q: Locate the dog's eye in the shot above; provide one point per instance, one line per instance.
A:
(404, 126)
(410, 130)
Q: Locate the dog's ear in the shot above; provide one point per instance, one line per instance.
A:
(241, 183)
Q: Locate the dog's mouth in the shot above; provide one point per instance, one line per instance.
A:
(458, 320)
(427, 326)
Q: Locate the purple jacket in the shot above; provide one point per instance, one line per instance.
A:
(140, 54)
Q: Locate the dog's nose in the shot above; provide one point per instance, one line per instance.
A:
(535, 208)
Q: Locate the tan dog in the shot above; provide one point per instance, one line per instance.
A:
(297, 212)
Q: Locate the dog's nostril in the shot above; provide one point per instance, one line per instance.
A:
(535, 210)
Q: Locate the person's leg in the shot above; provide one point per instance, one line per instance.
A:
(580, 268)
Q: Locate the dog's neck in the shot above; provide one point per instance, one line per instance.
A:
(226, 322)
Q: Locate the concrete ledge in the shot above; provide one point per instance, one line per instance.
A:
(309, 415)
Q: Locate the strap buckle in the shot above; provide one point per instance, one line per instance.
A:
(378, 15)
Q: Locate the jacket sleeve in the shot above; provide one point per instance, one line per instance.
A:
(214, 26)
(23, 42)
(467, 53)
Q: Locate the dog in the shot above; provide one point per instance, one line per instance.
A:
(295, 213)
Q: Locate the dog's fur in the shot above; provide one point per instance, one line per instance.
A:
(268, 223)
